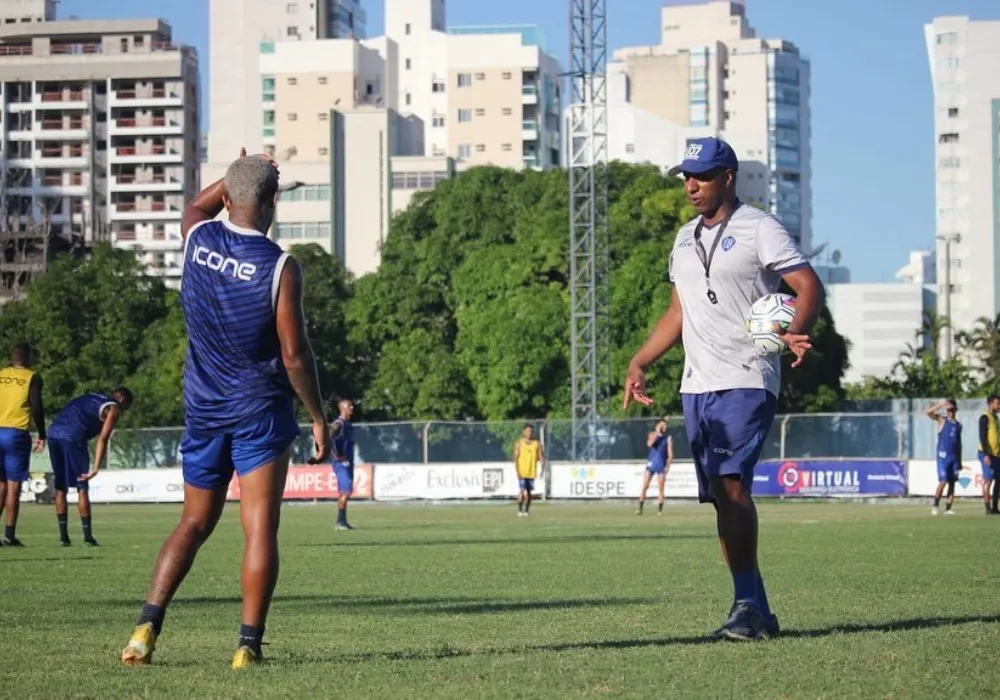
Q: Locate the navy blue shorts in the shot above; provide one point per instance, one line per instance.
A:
(727, 430)
(345, 476)
(989, 470)
(209, 461)
(70, 460)
(526, 484)
(948, 470)
(656, 468)
(15, 454)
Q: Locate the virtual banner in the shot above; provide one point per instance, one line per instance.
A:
(403, 482)
(825, 479)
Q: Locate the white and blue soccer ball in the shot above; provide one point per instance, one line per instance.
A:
(765, 312)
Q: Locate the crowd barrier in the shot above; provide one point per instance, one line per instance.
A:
(559, 480)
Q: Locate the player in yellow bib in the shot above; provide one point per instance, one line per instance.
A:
(528, 458)
(989, 452)
(20, 404)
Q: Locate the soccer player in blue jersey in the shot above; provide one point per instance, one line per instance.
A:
(949, 452)
(723, 261)
(20, 405)
(659, 458)
(343, 459)
(248, 357)
(82, 419)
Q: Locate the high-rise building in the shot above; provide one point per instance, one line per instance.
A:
(239, 30)
(711, 75)
(964, 55)
(100, 136)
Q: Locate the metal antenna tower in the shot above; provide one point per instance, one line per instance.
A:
(587, 130)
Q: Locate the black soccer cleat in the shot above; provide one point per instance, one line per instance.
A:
(12, 542)
(91, 542)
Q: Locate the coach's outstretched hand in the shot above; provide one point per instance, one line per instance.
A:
(798, 343)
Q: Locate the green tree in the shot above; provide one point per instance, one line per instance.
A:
(981, 346)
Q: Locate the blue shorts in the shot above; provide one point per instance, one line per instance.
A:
(15, 454)
(526, 484)
(948, 470)
(345, 476)
(989, 470)
(70, 460)
(209, 461)
(656, 468)
(727, 430)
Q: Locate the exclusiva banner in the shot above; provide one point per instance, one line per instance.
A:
(826, 479)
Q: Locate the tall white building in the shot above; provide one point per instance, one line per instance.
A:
(711, 75)
(964, 58)
(239, 31)
(99, 136)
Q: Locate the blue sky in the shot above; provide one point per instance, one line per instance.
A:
(873, 130)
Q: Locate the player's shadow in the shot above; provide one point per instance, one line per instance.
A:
(619, 644)
(596, 537)
(425, 606)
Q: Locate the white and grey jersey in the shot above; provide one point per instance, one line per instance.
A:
(755, 250)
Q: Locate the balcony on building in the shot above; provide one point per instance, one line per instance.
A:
(158, 93)
(146, 179)
(71, 127)
(141, 208)
(147, 150)
(147, 236)
(62, 155)
(158, 121)
(56, 182)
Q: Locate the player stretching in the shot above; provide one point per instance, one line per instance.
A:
(81, 420)
(20, 404)
(989, 452)
(658, 461)
(949, 452)
(528, 454)
(343, 460)
(729, 391)
(248, 355)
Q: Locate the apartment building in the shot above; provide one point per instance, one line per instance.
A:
(711, 75)
(485, 95)
(100, 135)
(237, 31)
(964, 55)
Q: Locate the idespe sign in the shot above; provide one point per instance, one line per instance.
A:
(922, 479)
(403, 482)
(619, 480)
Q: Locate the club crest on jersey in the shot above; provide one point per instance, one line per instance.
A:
(693, 152)
(727, 243)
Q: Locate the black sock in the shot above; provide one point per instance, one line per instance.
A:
(659, 506)
(641, 504)
(520, 506)
(87, 535)
(152, 613)
(251, 636)
(8, 533)
(947, 506)
(527, 505)
(63, 526)
(937, 501)
(342, 515)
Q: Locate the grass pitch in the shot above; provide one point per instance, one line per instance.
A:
(464, 602)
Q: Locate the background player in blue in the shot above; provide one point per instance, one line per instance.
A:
(659, 458)
(949, 452)
(248, 356)
(342, 431)
(20, 405)
(81, 420)
(729, 391)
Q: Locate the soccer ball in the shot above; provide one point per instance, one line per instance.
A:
(765, 312)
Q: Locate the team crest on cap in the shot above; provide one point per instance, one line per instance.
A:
(693, 151)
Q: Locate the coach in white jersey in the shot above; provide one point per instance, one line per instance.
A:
(722, 262)
(248, 356)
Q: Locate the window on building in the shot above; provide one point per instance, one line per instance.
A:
(505, 75)
(409, 64)
(464, 79)
(505, 147)
(949, 162)
(480, 147)
(953, 112)
(480, 112)
(293, 81)
(464, 150)
(139, 40)
(124, 45)
(464, 116)
(948, 138)
(949, 62)
(292, 117)
(409, 98)
(292, 8)
(947, 38)
(292, 32)
(407, 29)
(323, 80)
(437, 85)
(323, 116)
(480, 76)
(630, 148)
(437, 120)
(507, 111)
(324, 150)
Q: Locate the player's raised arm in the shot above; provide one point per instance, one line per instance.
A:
(297, 354)
(665, 335)
(933, 414)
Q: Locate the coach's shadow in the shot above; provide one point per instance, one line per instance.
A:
(596, 537)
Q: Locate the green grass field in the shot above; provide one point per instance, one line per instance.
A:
(470, 601)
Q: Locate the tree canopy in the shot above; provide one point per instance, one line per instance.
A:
(466, 318)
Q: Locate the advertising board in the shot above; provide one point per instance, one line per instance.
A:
(404, 482)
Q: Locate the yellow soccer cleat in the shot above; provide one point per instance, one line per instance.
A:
(246, 657)
(139, 650)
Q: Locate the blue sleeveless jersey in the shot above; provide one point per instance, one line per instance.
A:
(81, 419)
(343, 444)
(947, 442)
(229, 286)
(657, 455)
